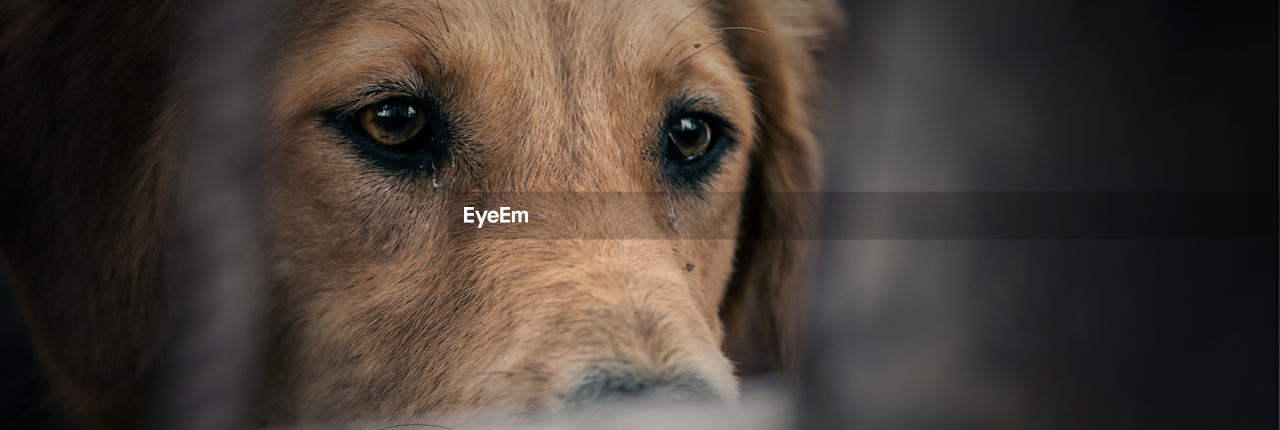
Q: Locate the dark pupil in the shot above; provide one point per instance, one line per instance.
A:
(396, 119)
(690, 136)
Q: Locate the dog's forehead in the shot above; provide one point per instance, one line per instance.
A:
(540, 86)
(485, 55)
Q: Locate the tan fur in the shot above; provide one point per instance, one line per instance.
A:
(382, 310)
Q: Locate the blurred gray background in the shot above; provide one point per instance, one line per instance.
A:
(1059, 331)
(1054, 332)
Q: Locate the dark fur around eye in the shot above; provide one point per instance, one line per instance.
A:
(692, 173)
(419, 154)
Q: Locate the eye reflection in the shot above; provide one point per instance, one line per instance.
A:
(689, 136)
(392, 123)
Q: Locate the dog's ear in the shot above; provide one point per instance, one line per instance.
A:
(762, 308)
(85, 196)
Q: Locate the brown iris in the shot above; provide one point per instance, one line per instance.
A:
(690, 136)
(392, 123)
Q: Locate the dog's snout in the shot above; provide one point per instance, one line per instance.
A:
(603, 388)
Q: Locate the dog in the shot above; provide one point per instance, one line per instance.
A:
(384, 120)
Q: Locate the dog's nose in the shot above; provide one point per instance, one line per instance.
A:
(604, 388)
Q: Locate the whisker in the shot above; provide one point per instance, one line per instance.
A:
(695, 10)
(704, 48)
(686, 40)
(751, 29)
(418, 8)
(422, 39)
(446, 22)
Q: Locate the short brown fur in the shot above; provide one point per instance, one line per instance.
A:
(380, 312)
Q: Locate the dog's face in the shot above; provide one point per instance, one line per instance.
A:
(632, 118)
(652, 145)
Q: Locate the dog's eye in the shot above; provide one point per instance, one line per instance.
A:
(688, 137)
(406, 135)
(392, 123)
(692, 145)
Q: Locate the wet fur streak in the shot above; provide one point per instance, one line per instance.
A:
(378, 312)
